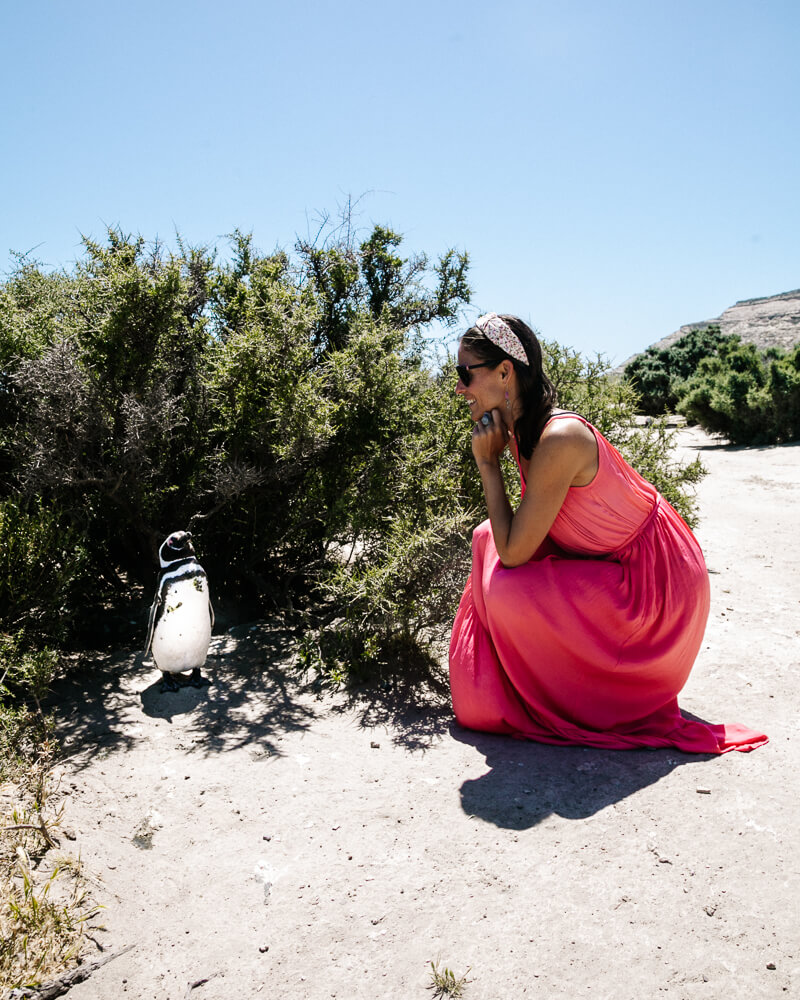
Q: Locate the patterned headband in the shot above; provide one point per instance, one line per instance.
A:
(500, 333)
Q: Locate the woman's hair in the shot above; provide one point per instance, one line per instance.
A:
(537, 393)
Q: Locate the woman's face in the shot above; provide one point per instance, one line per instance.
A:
(486, 389)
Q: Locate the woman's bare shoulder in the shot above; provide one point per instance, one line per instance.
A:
(568, 427)
(571, 444)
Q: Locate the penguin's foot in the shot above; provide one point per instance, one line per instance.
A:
(197, 680)
(169, 682)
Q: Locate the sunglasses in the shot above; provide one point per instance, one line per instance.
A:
(465, 373)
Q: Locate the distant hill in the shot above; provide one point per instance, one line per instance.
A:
(770, 322)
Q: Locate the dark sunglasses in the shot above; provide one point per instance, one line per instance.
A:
(464, 371)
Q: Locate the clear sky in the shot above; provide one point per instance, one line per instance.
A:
(615, 168)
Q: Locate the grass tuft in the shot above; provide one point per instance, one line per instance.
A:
(445, 983)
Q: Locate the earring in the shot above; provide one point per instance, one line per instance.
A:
(508, 401)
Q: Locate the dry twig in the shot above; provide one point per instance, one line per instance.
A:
(61, 984)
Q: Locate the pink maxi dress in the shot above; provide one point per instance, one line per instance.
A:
(591, 640)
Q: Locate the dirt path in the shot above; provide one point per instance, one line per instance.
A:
(254, 841)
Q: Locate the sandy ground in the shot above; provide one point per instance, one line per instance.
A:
(252, 840)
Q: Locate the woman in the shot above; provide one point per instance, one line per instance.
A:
(586, 607)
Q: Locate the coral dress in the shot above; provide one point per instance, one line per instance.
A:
(591, 640)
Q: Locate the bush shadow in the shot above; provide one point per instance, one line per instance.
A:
(253, 699)
(723, 444)
(415, 714)
(527, 782)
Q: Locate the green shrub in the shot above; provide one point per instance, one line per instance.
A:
(403, 554)
(751, 397)
(659, 374)
(25, 678)
(44, 572)
(316, 385)
(275, 405)
(114, 417)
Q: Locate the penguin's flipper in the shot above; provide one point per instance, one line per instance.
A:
(151, 625)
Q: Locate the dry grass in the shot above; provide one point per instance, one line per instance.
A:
(43, 900)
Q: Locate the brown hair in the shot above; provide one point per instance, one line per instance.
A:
(537, 393)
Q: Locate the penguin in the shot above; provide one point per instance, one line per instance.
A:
(181, 616)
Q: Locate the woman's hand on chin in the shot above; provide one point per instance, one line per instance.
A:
(489, 439)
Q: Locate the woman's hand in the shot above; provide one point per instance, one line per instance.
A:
(489, 440)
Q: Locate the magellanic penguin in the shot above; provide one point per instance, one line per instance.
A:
(181, 617)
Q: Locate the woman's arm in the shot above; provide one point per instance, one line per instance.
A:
(566, 455)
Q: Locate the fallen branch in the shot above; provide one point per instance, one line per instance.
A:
(61, 984)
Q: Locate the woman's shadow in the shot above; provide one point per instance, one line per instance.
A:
(527, 782)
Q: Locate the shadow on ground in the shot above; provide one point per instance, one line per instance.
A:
(254, 698)
(415, 716)
(256, 695)
(722, 444)
(527, 782)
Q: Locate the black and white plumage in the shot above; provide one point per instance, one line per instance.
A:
(181, 616)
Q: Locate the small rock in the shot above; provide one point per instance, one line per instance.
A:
(772, 966)
(143, 834)
(267, 836)
(703, 791)
(264, 949)
(375, 746)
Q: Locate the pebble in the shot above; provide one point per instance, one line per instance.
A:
(703, 791)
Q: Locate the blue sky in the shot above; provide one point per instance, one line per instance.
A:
(615, 169)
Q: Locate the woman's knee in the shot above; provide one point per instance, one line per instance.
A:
(481, 535)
